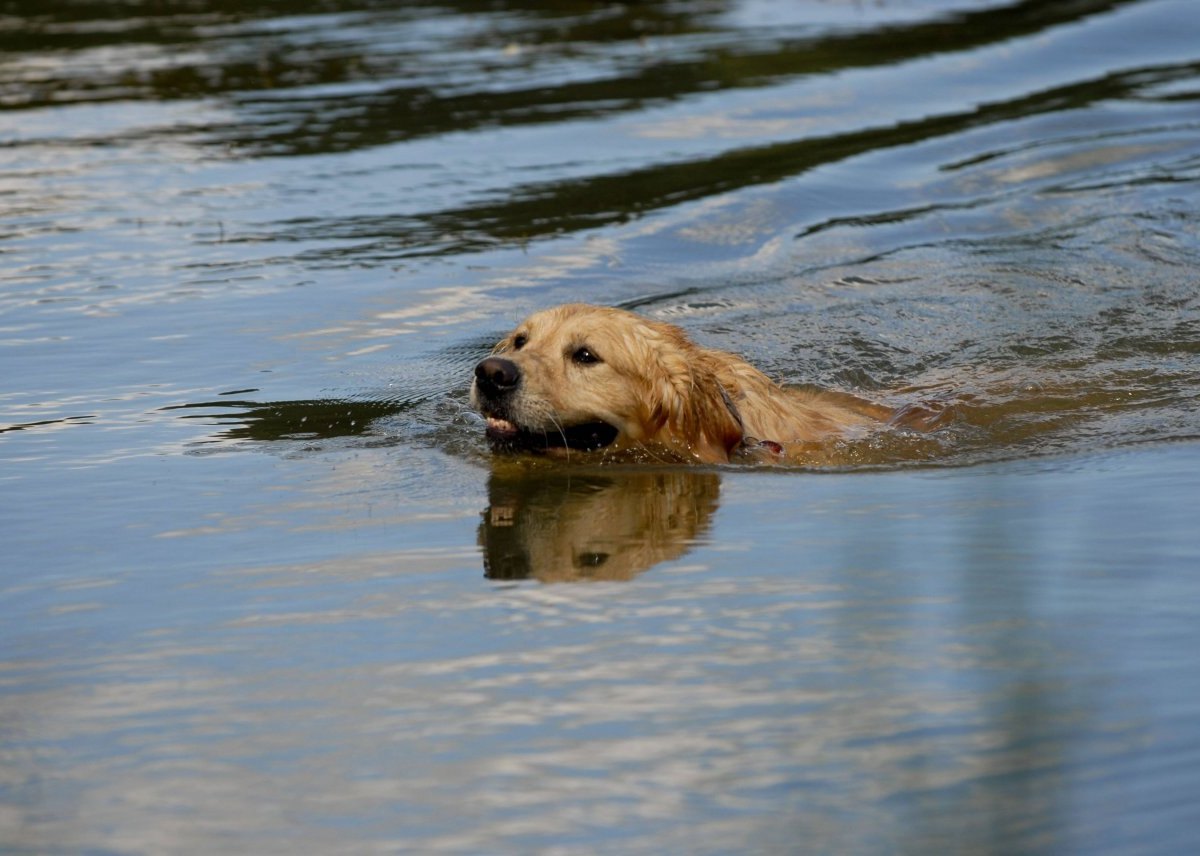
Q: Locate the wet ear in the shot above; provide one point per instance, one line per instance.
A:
(697, 412)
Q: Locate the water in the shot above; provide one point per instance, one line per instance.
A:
(266, 590)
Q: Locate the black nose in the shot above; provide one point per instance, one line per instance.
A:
(496, 375)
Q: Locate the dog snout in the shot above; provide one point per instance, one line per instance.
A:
(496, 376)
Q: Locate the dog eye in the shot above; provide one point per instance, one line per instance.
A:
(519, 341)
(584, 357)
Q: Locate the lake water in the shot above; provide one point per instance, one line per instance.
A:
(266, 590)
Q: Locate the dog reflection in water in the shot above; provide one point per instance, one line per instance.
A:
(562, 527)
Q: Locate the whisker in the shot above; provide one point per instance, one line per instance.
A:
(562, 432)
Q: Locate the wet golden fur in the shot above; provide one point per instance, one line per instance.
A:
(582, 364)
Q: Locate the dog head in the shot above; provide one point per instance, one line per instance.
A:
(587, 378)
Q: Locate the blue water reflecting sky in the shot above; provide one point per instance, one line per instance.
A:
(266, 589)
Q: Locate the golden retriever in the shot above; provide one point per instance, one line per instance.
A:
(589, 378)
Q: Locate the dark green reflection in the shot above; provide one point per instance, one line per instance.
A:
(340, 122)
(569, 526)
(302, 78)
(327, 44)
(290, 420)
(536, 210)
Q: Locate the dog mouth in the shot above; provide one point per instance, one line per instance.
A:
(585, 437)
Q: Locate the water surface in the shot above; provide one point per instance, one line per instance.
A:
(265, 587)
